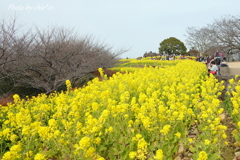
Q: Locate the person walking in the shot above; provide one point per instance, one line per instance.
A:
(218, 60)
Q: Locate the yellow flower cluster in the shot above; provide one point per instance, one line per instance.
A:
(159, 155)
(165, 129)
(68, 84)
(139, 114)
(202, 156)
(14, 153)
(101, 71)
(234, 93)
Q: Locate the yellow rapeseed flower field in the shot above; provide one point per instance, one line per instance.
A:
(143, 113)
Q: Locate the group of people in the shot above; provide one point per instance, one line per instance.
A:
(214, 64)
(164, 57)
(204, 59)
(170, 57)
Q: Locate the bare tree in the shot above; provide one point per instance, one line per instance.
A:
(193, 52)
(150, 54)
(223, 34)
(227, 33)
(198, 39)
(12, 41)
(45, 59)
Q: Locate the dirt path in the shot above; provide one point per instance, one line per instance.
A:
(234, 68)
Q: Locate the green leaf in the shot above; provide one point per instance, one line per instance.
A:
(125, 154)
(101, 148)
(214, 156)
(152, 147)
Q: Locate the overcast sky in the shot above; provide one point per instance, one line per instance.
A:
(136, 24)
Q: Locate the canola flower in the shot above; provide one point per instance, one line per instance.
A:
(40, 156)
(14, 153)
(68, 84)
(129, 115)
(159, 155)
(165, 129)
(101, 71)
(202, 156)
(234, 92)
(132, 155)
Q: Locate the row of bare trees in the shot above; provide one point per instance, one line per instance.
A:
(223, 34)
(45, 58)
